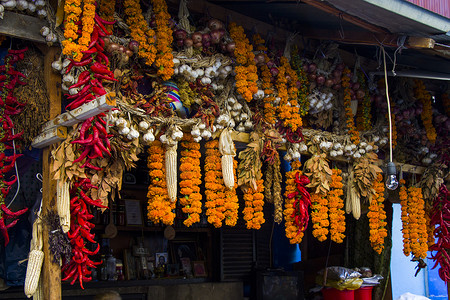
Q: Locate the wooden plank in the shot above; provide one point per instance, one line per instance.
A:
(22, 26)
(85, 111)
(51, 272)
(50, 137)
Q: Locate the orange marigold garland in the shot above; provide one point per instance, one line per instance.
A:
(254, 203)
(424, 97)
(106, 10)
(164, 57)
(417, 223)
(350, 122)
(287, 90)
(246, 71)
(319, 216)
(297, 202)
(336, 207)
(73, 43)
(190, 175)
(403, 194)
(214, 186)
(160, 208)
(377, 216)
(140, 31)
(231, 200)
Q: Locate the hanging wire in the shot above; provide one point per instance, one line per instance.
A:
(388, 104)
(17, 173)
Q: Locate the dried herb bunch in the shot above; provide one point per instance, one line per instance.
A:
(59, 242)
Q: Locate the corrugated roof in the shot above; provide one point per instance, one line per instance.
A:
(441, 7)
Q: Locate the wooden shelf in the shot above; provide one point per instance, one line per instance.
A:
(155, 228)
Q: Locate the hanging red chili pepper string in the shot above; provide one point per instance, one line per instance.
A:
(440, 220)
(9, 105)
(302, 202)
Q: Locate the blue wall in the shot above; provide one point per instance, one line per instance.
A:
(427, 283)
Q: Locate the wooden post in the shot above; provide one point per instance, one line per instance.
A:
(51, 274)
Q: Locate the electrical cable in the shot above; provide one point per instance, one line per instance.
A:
(388, 105)
(17, 174)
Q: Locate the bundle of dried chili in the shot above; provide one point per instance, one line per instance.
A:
(302, 202)
(440, 221)
(9, 105)
(79, 267)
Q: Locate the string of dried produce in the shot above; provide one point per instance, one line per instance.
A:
(81, 205)
(10, 78)
(190, 175)
(440, 218)
(35, 112)
(160, 208)
(424, 97)
(417, 223)
(214, 186)
(277, 198)
(246, 71)
(319, 173)
(363, 116)
(403, 195)
(377, 216)
(250, 164)
(297, 203)
(336, 207)
(303, 93)
(354, 134)
(164, 57)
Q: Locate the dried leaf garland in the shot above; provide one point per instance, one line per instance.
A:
(319, 173)
(250, 165)
(365, 172)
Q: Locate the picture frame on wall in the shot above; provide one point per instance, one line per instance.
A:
(199, 269)
(133, 212)
(183, 249)
(162, 259)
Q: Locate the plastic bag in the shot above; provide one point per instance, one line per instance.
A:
(339, 278)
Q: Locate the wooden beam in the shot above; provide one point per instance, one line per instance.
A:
(352, 37)
(22, 26)
(51, 272)
(349, 18)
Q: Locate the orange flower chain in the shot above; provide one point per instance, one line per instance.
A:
(246, 71)
(417, 223)
(74, 44)
(350, 122)
(254, 203)
(215, 197)
(231, 200)
(287, 90)
(106, 10)
(377, 216)
(403, 195)
(140, 31)
(159, 207)
(164, 57)
(335, 207)
(424, 97)
(296, 204)
(319, 216)
(190, 175)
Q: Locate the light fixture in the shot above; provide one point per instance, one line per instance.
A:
(391, 172)
(391, 176)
